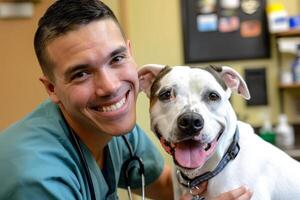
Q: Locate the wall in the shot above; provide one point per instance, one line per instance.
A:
(20, 88)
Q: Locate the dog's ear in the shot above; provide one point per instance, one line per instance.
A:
(234, 81)
(147, 74)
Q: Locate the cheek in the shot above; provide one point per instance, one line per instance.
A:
(76, 97)
(129, 73)
(165, 117)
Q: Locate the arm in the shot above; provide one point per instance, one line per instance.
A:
(161, 188)
(241, 193)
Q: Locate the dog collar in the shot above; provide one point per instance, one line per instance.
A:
(230, 154)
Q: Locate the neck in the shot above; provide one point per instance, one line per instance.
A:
(95, 141)
(224, 142)
(96, 144)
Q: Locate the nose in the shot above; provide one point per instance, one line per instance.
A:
(190, 122)
(106, 82)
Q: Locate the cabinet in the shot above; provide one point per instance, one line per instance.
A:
(289, 94)
(284, 60)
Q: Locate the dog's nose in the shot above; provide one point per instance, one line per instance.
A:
(190, 122)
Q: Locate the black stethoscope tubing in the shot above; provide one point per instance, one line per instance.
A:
(128, 169)
(75, 141)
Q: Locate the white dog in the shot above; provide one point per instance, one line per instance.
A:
(192, 116)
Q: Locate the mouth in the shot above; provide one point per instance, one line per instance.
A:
(192, 154)
(113, 106)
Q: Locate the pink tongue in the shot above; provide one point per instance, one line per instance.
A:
(190, 154)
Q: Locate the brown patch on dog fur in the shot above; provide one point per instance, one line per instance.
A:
(156, 84)
(215, 71)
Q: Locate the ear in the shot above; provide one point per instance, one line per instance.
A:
(128, 43)
(147, 75)
(235, 82)
(50, 88)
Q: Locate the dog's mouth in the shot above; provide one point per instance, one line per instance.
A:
(193, 154)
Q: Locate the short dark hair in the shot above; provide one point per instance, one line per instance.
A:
(64, 16)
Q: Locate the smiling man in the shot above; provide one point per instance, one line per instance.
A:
(68, 147)
(94, 82)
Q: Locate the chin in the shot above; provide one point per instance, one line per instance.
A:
(123, 127)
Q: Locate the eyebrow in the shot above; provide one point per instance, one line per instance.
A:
(79, 67)
(71, 70)
(117, 51)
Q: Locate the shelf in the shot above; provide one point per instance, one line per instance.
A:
(290, 33)
(289, 86)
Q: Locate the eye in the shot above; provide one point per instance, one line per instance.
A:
(79, 76)
(117, 59)
(213, 96)
(166, 94)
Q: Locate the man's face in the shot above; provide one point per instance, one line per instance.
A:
(96, 82)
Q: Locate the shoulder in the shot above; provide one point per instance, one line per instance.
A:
(42, 125)
(35, 149)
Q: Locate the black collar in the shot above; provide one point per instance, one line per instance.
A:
(230, 154)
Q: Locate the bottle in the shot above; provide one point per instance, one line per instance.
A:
(296, 66)
(266, 132)
(285, 137)
(278, 20)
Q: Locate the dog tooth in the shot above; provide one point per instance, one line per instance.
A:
(207, 146)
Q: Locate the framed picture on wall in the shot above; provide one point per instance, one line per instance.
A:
(219, 30)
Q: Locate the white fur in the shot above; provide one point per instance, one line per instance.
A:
(267, 171)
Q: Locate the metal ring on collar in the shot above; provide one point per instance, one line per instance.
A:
(197, 197)
(191, 190)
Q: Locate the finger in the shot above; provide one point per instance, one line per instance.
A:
(186, 196)
(246, 196)
(238, 192)
(200, 188)
(241, 193)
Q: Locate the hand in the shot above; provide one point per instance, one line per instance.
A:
(200, 190)
(241, 193)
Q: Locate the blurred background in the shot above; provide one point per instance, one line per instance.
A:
(260, 39)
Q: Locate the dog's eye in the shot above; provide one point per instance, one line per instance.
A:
(213, 96)
(165, 95)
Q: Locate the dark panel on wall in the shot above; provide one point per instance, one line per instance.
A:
(223, 33)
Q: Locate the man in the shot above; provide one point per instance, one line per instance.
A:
(91, 79)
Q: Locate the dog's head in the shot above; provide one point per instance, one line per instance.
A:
(190, 110)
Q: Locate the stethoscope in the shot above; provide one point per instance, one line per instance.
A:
(126, 165)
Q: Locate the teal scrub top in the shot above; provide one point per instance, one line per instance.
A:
(38, 160)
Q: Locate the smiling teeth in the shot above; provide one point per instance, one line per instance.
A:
(113, 107)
